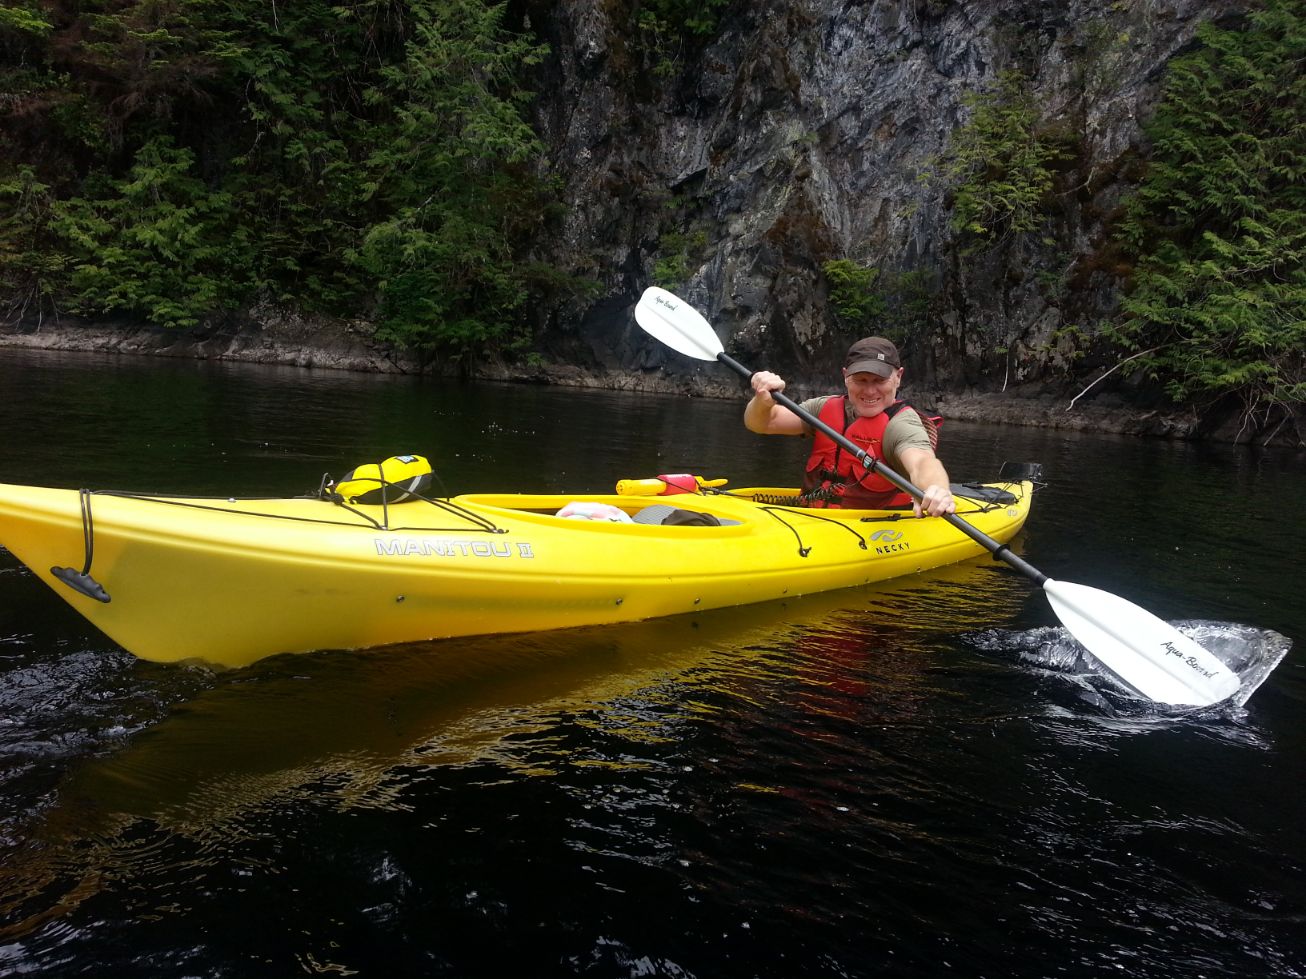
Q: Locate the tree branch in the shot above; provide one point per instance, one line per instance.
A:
(1105, 375)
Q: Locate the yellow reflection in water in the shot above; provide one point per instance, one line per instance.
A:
(339, 724)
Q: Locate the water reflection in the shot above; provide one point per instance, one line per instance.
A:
(203, 428)
(359, 727)
(450, 702)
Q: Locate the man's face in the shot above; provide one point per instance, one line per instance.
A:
(870, 394)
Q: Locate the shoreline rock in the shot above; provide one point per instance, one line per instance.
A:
(289, 340)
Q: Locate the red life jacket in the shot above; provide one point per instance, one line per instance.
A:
(835, 478)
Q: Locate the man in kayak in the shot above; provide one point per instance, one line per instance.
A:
(873, 418)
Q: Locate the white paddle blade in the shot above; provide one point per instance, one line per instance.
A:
(1146, 652)
(677, 324)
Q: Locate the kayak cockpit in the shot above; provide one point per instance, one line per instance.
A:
(614, 510)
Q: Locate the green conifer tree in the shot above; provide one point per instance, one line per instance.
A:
(1218, 224)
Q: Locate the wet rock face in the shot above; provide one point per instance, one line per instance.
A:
(801, 134)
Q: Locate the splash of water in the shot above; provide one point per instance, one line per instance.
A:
(1251, 653)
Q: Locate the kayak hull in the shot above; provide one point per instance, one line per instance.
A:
(233, 581)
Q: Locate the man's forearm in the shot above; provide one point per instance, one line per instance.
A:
(757, 413)
(929, 471)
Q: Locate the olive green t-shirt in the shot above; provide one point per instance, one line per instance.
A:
(905, 430)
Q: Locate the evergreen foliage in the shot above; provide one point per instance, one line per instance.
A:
(866, 299)
(852, 292)
(668, 28)
(697, 17)
(173, 160)
(29, 263)
(157, 243)
(680, 254)
(1218, 225)
(444, 169)
(999, 163)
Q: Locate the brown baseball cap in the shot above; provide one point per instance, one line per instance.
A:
(875, 355)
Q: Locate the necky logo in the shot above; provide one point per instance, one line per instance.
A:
(889, 542)
(1189, 661)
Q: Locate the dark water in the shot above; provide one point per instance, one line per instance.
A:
(910, 780)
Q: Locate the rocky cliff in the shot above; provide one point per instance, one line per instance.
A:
(806, 131)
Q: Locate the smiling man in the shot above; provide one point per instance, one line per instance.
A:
(873, 418)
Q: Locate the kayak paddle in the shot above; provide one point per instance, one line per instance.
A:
(1145, 652)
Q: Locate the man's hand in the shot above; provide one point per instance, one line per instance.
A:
(936, 501)
(764, 383)
(763, 415)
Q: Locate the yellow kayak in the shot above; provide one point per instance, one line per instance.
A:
(231, 581)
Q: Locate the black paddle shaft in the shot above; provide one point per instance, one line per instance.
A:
(999, 551)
